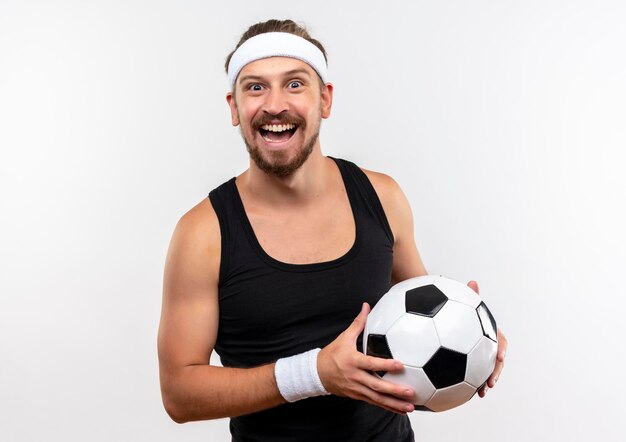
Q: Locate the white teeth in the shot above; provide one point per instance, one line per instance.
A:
(277, 127)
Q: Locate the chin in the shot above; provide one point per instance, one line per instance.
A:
(279, 163)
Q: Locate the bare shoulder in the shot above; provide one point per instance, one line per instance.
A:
(387, 189)
(195, 247)
(201, 223)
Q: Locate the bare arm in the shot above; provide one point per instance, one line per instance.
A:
(191, 388)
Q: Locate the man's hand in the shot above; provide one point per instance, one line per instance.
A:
(344, 371)
(502, 345)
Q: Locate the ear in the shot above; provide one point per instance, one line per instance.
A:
(234, 115)
(327, 99)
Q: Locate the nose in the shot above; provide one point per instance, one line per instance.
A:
(275, 102)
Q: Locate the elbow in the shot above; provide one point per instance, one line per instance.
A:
(173, 403)
(177, 418)
(174, 411)
(180, 416)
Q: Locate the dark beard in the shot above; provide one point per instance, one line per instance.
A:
(278, 167)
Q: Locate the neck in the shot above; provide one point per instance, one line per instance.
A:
(301, 187)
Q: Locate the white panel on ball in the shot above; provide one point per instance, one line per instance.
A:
(418, 281)
(451, 319)
(480, 362)
(388, 309)
(417, 380)
(403, 335)
(458, 292)
(450, 397)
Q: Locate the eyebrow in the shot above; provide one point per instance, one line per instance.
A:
(297, 71)
(285, 74)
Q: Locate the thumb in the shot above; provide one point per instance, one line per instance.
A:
(357, 326)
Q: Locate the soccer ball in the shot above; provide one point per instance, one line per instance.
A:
(443, 334)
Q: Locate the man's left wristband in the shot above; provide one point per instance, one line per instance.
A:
(297, 377)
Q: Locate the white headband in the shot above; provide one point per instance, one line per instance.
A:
(276, 44)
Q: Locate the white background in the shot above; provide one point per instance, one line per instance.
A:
(503, 121)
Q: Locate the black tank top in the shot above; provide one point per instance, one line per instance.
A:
(270, 309)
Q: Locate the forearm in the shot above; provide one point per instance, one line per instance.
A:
(201, 392)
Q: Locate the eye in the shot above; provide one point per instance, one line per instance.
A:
(295, 84)
(255, 87)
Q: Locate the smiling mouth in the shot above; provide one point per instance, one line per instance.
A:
(277, 133)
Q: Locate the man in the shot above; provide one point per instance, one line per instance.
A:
(276, 263)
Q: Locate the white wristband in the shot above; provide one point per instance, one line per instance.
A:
(297, 377)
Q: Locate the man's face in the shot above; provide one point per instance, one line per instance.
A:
(279, 105)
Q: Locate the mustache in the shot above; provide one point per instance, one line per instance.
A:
(282, 118)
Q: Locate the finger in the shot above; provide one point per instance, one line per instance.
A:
(402, 392)
(357, 326)
(363, 393)
(372, 363)
(502, 346)
(474, 286)
(491, 382)
(385, 401)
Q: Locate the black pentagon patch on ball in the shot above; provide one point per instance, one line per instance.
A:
(487, 322)
(425, 301)
(378, 347)
(422, 408)
(446, 368)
